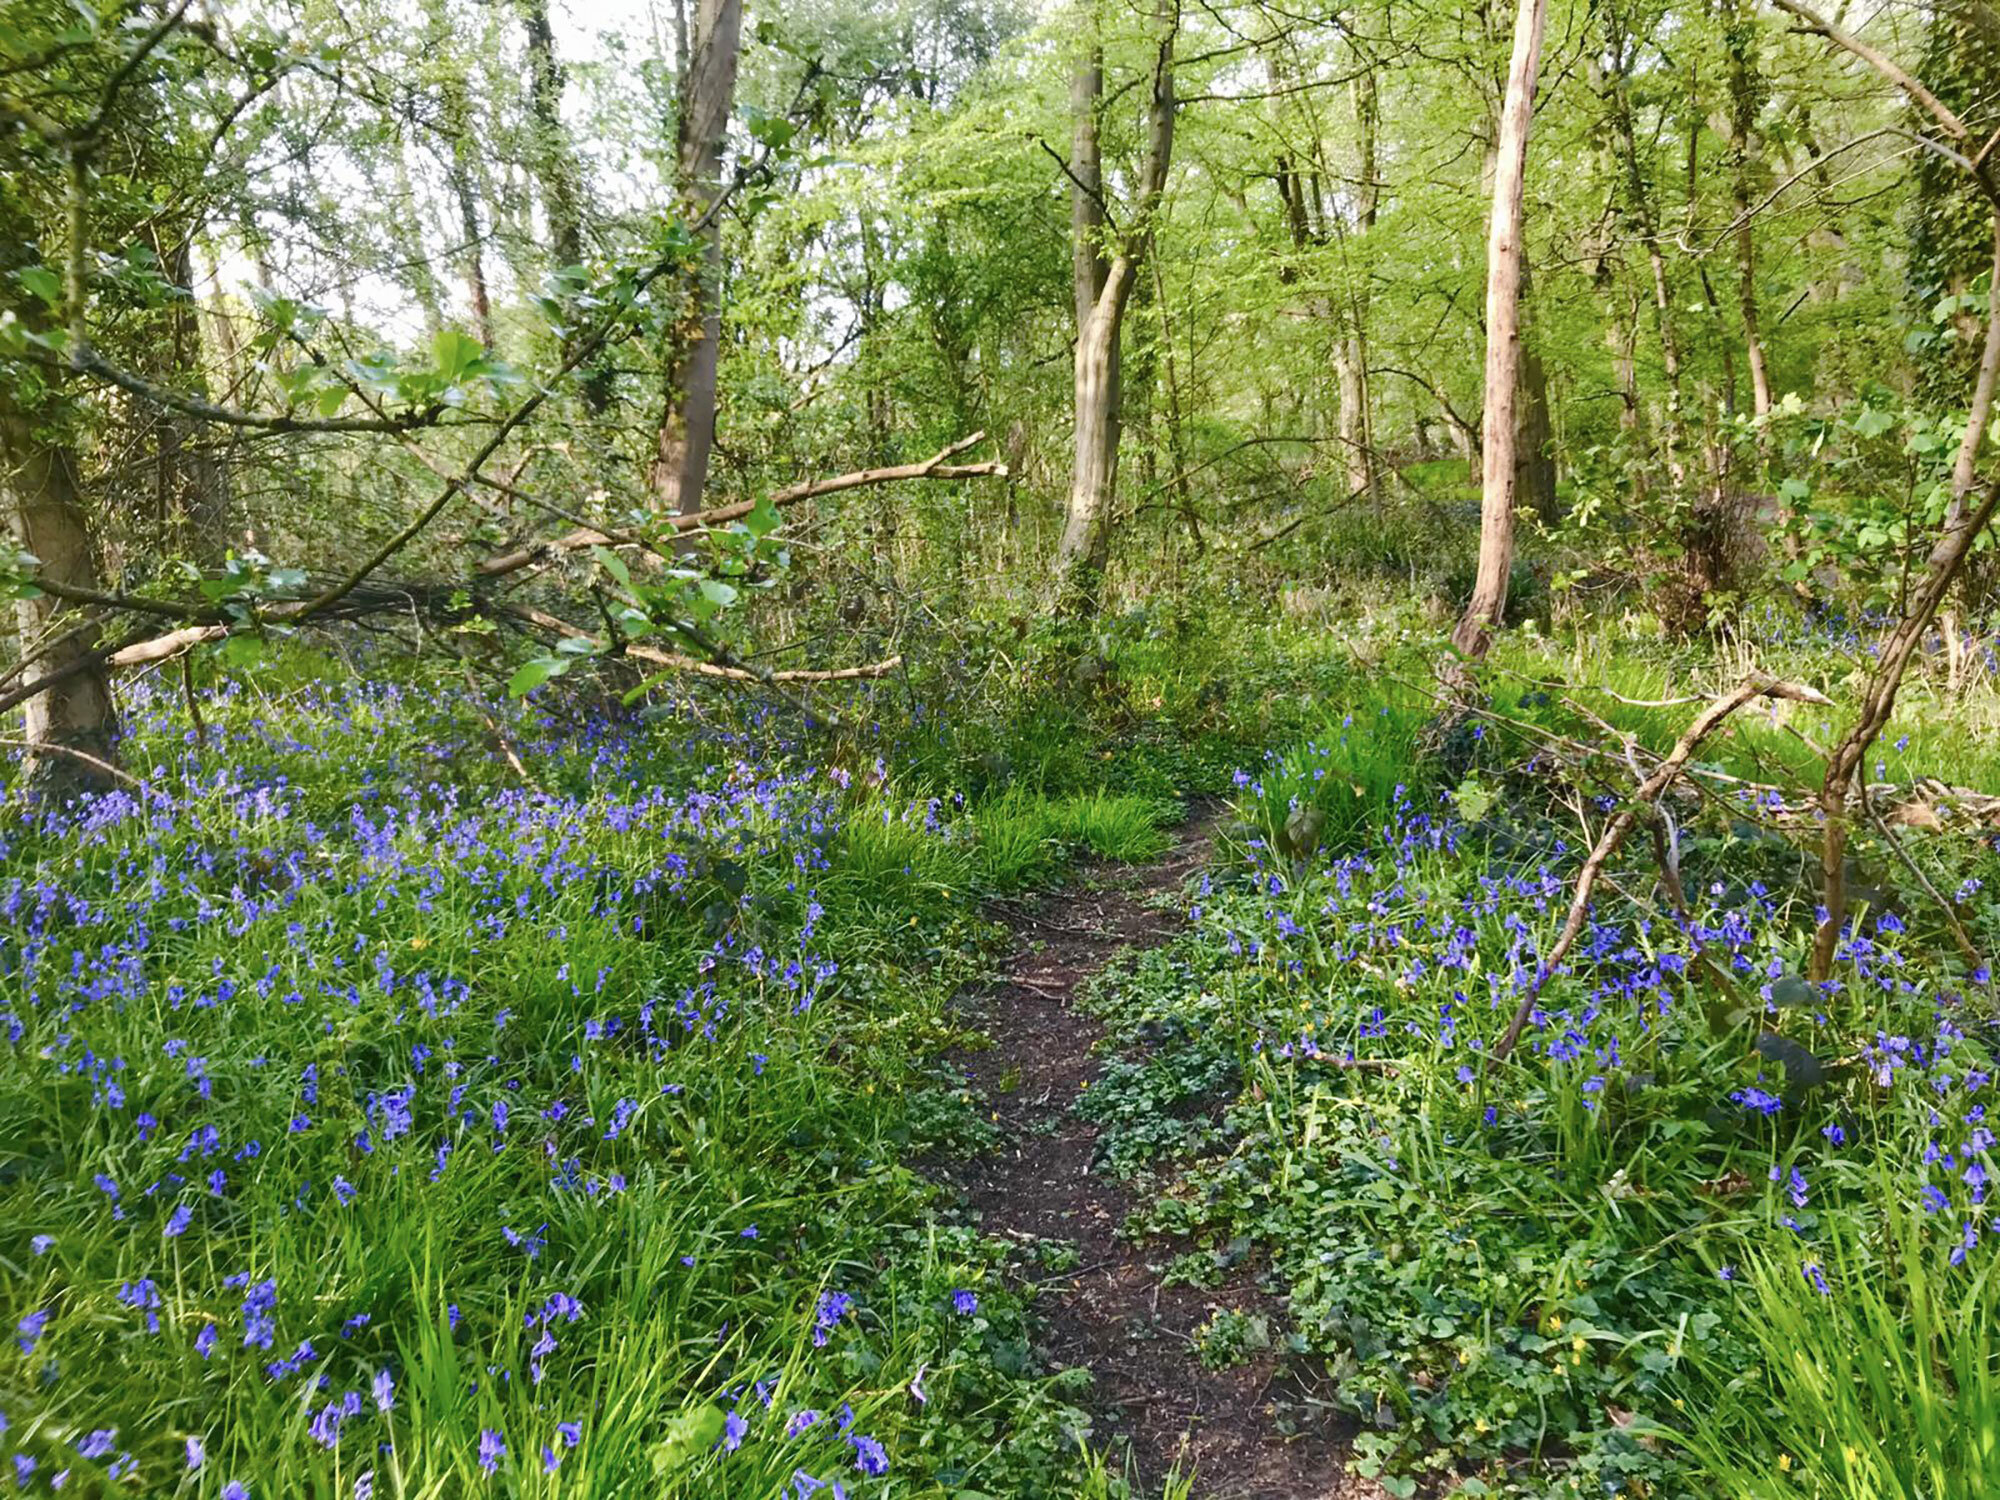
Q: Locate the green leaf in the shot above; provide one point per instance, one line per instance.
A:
(455, 354)
(1789, 992)
(614, 565)
(688, 1437)
(40, 281)
(534, 673)
(1870, 423)
(718, 593)
(240, 651)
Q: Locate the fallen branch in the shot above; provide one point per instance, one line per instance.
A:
(1757, 685)
(701, 668)
(673, 661)
(165, 647)
(934, 467)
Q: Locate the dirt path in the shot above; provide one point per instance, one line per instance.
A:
(1111, 1314)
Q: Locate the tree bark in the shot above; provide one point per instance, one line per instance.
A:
(1084, 551)
(465, 198)
(1503, 339)
(691, 360)
(1746, 97)
(558, 173)
(38, 483)
(1965, 520)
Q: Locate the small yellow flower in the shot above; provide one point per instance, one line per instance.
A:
(1577, 1342)
(1784, 1463)
(1555, 1324)
(420, 943)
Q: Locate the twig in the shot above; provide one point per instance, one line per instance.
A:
(50, 747)
(1958, 932)
(1758, 684)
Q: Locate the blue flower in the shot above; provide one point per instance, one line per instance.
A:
(492, 1448)
(965, 1302)
(733, 1430)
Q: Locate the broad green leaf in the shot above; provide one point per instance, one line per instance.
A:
(40, 281)
(454, 353)
(534, 673)
(687, 1438)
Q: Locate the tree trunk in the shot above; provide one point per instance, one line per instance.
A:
(192, 482)
(692, 358)
(559, 175)
(73, 723)
(1965, 520)
(1503, 339)
(1746, 97)
(465, 198)
(1357, 428)
(1084, 550)
(1534, 437)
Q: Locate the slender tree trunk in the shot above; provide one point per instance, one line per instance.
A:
(1084, 550)
(1746, 96)
(1642, 223)
(38, 486)
(406, 228)
(691, 361)
(193, 484)
(1534, 435)
(1965, 519)
(1357, 428)
(558, 174)
(459, 174)
(1503, 339)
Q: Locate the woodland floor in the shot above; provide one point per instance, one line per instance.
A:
(1254, 1431)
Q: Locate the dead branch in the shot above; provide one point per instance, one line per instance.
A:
(934, 467)
(1757, 685)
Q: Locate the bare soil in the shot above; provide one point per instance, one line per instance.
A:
(1111, 1314)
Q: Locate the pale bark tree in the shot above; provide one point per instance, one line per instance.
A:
(1498, 475)
(1357, 435)
(691, 358)
(460, 176)
(1108, 258)
(1746, 99)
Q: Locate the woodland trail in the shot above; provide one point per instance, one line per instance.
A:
(1154, 1400)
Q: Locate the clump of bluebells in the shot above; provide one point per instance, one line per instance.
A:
(375, 1124)
(1505, 1259)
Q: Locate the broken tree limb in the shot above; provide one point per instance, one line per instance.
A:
(674, 661)
(163, 647)
(1757, 685)
(700, 668)
(934, 467)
